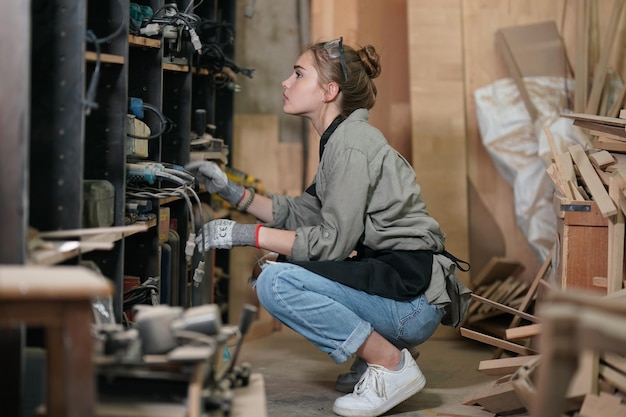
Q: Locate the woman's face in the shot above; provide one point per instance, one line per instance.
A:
(302, 94)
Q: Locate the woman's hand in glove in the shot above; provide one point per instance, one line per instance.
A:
(224, 234)
(216, 181)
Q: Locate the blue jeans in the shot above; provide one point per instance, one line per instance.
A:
(337, 318)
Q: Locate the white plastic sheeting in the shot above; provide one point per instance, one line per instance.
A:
(521, 151)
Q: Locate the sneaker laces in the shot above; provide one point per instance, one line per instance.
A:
(373, 378)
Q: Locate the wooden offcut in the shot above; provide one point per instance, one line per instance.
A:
(601, 70)
(599, 193)
(497, 268)
(530, 50)
(494, 341)
(504, 366)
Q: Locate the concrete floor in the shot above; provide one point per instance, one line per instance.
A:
(299, 379)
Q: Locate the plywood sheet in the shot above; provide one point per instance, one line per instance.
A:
(484, 65)
(437, 115)
(255, 143)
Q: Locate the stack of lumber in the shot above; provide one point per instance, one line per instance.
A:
(597, 388)
(504, 295)
(499, 283)
(598, 174)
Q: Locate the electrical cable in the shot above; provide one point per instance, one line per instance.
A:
(166, 124)
(90, 97)
(185, 180)
(140, 294)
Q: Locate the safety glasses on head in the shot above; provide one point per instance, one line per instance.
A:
(335, 50)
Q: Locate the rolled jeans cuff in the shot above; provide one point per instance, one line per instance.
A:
(349, 347)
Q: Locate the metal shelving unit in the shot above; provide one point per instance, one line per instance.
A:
(72, 69)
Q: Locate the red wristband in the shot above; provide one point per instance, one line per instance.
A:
(256, 235)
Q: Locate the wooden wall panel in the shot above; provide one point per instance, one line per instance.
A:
(490, 197)
(257, 134)
(437, 115)
(382, 24)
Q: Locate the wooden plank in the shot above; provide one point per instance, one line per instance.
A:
(494, 341)
(618, 103)
(602, 141)
(516, 74)
(435, 36)
(506, 309)
(603, 405)
(582, 57)
(592, 118)
(615, 262)
(597, 190)
(498, 268)
(485, 292)
(569, 173)
(509, 286)
(616, 379)
(615, 361)
(133, 228)
(532, 49)
(600, 72)
(601, 159)
(614, 132)
(504, 366)
(523, 332)
(560, 171)
(498, 397)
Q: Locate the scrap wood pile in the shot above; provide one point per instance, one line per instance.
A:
(579, 370)
(536, 350)
(598, 388)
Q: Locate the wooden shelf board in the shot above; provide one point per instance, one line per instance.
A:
(87, 240)
(134, 40)
(175, 67)
(91, 56)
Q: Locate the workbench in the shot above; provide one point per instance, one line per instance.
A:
(57, 299)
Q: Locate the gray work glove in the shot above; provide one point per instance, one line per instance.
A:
(224, 234)
(216, 181)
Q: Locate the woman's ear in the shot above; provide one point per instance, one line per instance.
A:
(331, 91)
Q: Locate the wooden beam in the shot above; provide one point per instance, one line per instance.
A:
(504, 366)
(615, 262)
(606, 51)
(494, 341)
(506, 309)
(560, 173)
(581, 89)
(603, 405)
(523, 332)
(497, 268)
(599, 193)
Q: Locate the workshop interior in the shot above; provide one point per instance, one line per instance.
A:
(512, 114)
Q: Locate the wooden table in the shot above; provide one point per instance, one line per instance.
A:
(58, 299)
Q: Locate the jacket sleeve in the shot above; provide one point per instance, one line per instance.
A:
(289, 213)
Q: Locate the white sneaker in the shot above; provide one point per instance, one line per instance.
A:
(380, 389)
(346, 382)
